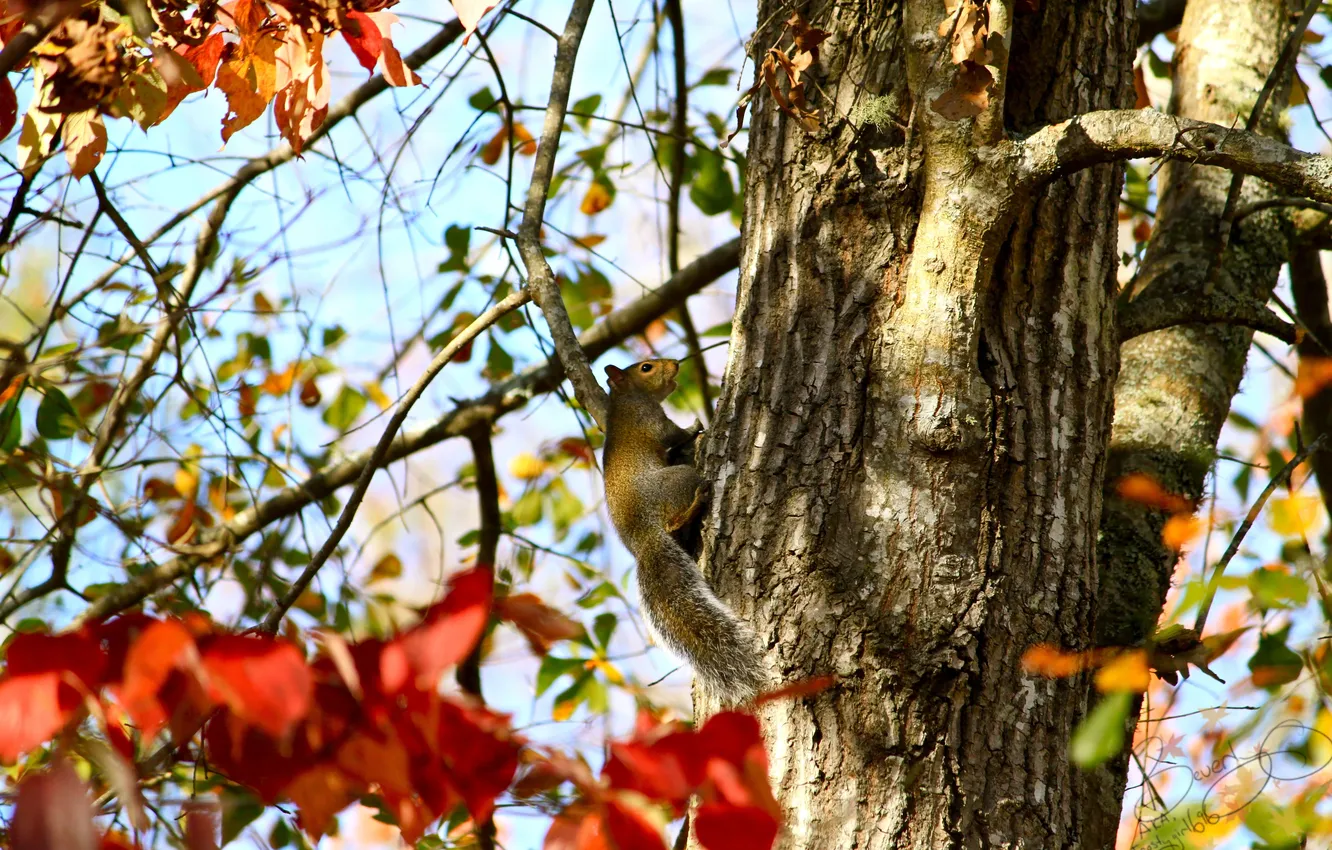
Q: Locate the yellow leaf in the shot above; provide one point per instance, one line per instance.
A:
(1320, 745)
(1295, 516)
(526, 467)
(612, 673)
(387, 567)
(563, 710)
(376, 394)
(85, 141)
(187, 483)
(1126, 672)
(598, 197)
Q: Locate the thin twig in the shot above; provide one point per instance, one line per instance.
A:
(680, 129)
(540, 278)
(514, 300)
(1214, 583)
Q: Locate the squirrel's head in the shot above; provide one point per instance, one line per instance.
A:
(655, 377)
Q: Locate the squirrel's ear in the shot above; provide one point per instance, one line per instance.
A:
(614, 374)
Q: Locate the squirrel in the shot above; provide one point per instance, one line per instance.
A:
(648, 500)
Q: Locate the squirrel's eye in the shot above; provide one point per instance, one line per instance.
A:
(646, 367)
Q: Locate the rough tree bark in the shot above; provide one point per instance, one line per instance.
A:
(909, 450)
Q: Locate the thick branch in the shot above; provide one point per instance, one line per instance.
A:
(540, 279)
(507, 396)
(1309, 286)
(1154, 313)
(1118, 134)
(45, 17)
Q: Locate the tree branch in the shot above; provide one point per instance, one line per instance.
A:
(1113, 135)
(540, 279)
(380, 452)
(501, 399)
(1309, 286)
(45, 17)
(1149, 313)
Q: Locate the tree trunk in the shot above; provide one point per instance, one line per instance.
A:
(908, 453)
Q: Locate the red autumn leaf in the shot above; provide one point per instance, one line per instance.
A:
(253, 759)
(193, 69)
(630, 827)
(667, 770)
(265, 682)
(445, 635)
(52, 809)
(796, 690)
(8, 106)
(719, 826)
(160, 649)
(31, 712)
(75, 652)
(364, 38)
(477, 754)
(541, 624)
(394, 69)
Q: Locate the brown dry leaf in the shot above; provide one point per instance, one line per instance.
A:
(310, 395)
(183, 524)
(523, 143)
(280, 383)
(387, 567)
(84, 64)
(246, 400)
(969, 95)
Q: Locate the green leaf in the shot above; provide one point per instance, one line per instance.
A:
(565, 508)
(239, 810)
(714, 77)
(553, 668)
(499, 363)
(56, 419)
(587, 106)
(345, 408)
(1275, 587)
(1279, 827)
(333, 335)
(594, 157)
(722, 330)
(712, 191)
(1274, 664)
(603, 627)
(11, 426)
(458, 240)
(1100, 735)
(568, 700)
(597, 595)
(527, 510)
(482, 100)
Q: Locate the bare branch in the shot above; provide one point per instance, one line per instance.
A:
(380, 452)
(540, 278)
(1149, 313)
(1113, 135)
(503, 398)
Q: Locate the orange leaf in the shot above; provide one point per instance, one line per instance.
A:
(1314, 374)
(157, 490)
(394, 69)
(280, 383)
(247, 400)
(319, 794)
(1125, 672)
(1179, 530)
(1145, 490)
(159, 649)
(523, 143)
(183, 523)
(491, 150)
(1054, 663)
(309, 393)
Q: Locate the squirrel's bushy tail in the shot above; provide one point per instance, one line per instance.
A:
(688, 618)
